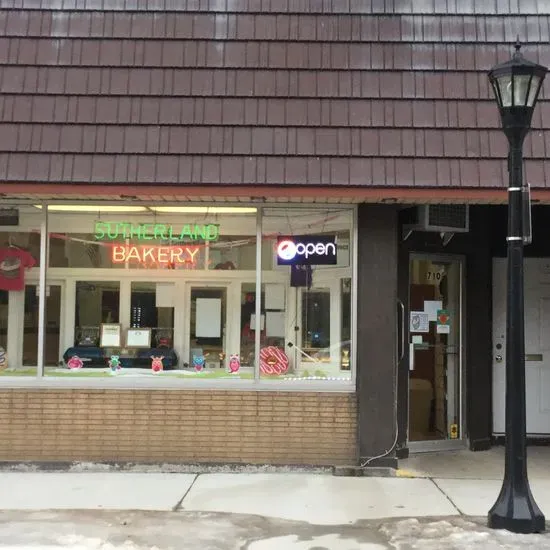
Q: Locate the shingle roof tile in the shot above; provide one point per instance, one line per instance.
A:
(263, 91)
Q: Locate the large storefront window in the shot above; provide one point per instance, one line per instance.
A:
(304, 311)
(170, 292)
(19, 267)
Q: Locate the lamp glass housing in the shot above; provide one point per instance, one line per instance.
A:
(517, 90)
(504, 85)
(536, 82)
(517, 83)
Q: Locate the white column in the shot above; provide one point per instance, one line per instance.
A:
(69, 315)
(293, 319)
(125, 302)
(335, 324)
(232, 327)
(16, 323)
(181, 314)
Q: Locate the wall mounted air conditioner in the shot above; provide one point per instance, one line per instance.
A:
(445, 219)
(440, 218)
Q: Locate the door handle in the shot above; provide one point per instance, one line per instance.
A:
(401, 352)
(498, 358)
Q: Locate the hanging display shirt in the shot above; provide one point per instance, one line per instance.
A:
(13, 262)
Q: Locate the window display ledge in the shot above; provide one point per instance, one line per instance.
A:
(17, 382)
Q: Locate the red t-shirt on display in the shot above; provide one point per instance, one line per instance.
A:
(13, 262)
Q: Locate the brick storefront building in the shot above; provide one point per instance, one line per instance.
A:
(156, 158)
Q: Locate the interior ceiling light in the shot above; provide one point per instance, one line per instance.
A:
(92, 208)
(204, 209)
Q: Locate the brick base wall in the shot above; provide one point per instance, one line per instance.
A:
(178, 426)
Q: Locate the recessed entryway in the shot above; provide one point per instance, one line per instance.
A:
(435, 351)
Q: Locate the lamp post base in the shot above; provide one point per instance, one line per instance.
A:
(516, 512)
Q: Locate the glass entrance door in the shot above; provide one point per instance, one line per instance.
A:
(207, 330)
(435, 350)
(52, 328)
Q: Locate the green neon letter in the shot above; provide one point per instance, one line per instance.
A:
(99, 231)
(160, 231)
(211, 232)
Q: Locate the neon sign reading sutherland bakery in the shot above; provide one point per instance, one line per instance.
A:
(155, 255)
(112, 231)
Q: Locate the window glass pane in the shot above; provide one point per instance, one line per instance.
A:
(145, 313)
(96, 303)
(193, 314)
(248, 309)
(207, 342)
(315, 319)
(52, 328)
(19, 262)
(234, 252)
(345, 286)
(30, 327)
(306, 315)
(79, 250)
(158, 322)
(174, 239)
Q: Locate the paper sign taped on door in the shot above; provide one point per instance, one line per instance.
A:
(443, 322)
(419, 322)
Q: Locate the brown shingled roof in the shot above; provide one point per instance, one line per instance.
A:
(278, 92)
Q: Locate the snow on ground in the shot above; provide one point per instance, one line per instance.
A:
(457, 534)
(76, 542)
(121, 530)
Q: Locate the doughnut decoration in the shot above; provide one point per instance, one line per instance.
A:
(3, 359)
(273, 360)
(75, 362)
(156, 363)
(234, 363)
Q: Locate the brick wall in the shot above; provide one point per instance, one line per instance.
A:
(178, 426)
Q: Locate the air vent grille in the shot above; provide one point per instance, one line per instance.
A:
(448, 215)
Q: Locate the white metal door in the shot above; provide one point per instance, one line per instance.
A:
(537, 345)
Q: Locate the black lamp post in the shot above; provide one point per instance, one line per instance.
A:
(516, 84)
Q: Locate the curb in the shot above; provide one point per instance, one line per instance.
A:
(206, 468)
(161, 468)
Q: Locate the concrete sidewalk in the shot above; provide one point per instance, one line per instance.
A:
(252, 511)
(313, 498)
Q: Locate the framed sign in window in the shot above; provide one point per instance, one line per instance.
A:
(109, 336)
(138, 338)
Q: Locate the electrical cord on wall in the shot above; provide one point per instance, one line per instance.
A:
(365, 463)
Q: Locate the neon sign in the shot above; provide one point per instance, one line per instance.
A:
(159, 255)
(111, 231)
(307, 250)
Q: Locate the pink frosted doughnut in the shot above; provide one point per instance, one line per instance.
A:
(273, 360)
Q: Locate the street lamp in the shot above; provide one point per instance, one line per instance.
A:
(516, 84)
